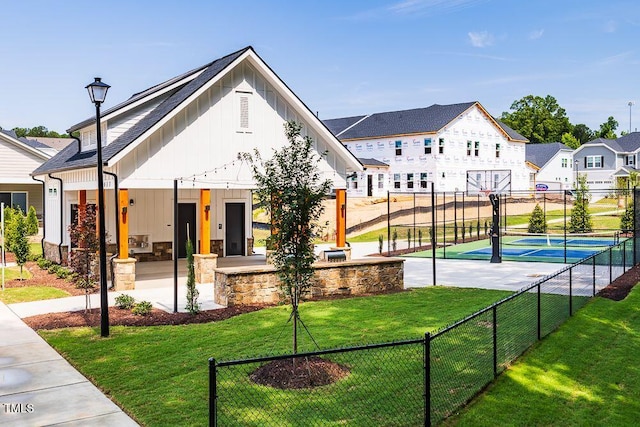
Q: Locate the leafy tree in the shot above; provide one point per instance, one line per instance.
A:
(38, 131)
(626, 222)
(582, 133)
(539, 119)
(580, 217)
(84, 258)
(32, 222)
(19, 242)
(570, 141)
(290, 186)
(608, 129)
(537, 221)
(192, 292)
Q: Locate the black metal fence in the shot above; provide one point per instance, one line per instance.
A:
(421, 381)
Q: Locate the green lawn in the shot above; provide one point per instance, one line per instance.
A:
(584, 374)
(159, 374)
(30, 293)
(13, 272)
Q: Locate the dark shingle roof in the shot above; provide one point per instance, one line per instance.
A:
(540, 154)
(70, 158)
(629, 142)
(419, 120)
(372, 162)
(611, 143)
(512, 133)
(10, 133)
(32, 143)
(338, 125)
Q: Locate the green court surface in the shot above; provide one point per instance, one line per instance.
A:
(530, 249)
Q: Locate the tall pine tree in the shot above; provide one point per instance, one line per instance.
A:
(580, 217)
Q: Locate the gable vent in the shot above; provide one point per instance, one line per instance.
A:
(244, 111)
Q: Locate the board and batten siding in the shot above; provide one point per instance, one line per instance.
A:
(206, 137)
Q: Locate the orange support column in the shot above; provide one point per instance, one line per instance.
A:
(123, 218)
(205, 222)
(341, 218)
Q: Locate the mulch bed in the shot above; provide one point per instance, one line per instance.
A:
(40, 277)
(118, 317)
(300, 373)
(620, 288)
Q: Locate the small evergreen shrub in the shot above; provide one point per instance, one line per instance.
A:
(537, 221)
(125, 302)
(32, 222)
(380, 243)
(142, 308)
(44, 263)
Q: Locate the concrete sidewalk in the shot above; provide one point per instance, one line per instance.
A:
(38, 387)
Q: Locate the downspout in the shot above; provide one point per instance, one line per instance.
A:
(61, 216)
(44, 213)
(116, 254)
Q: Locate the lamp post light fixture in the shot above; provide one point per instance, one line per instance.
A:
(630, 104)
(98, 93)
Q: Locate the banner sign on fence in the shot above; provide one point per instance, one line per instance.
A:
(542, 187)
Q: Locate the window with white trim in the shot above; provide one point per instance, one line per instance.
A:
(398, 148)
(409, 180)
(476, 148)
(396, 180)
(593, 162)
(441, 146)
(497, 151)
(15, 199)
(565, 163)
(630, 160)
(380, 180)
(423, 180)
(469, 148)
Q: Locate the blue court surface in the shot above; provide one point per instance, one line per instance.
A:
(554, 241)
(538, 253)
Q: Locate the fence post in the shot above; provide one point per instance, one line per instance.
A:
(427, 379)
(624, 257)
(610, 266)
(389, 222)
(539, 315)
(594, 275)
(570, 291)
(495, 341)
(213, 416)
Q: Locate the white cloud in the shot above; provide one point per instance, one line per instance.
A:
(480, 39)
(536, 34)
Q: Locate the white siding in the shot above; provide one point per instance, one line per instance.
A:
(16, 164)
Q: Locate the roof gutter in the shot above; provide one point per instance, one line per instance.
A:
(61, 215)
(44, 213)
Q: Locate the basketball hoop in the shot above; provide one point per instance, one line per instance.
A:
(486, 192)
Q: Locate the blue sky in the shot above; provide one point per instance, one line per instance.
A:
(341, 57)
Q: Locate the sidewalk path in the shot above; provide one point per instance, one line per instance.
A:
(38, 387)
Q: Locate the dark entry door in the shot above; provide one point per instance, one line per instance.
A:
(234, 236)
(186, 216)
(369, 185)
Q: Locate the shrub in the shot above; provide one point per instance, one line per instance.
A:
(394, 239)
(142, 308)
(537, 221)
(125, 302)
(44, 263)
(53, 268)
(626, 222)
(380, 243)
(63, 273)
(32, 221)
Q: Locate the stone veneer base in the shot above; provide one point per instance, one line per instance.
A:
(260, 284)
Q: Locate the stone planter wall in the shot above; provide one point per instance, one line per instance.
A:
(258, 285)
(204, 267)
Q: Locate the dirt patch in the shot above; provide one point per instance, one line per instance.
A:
(306, 372)
(118, 317)
(620, 288)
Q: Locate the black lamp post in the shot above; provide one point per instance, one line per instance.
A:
(98, 93)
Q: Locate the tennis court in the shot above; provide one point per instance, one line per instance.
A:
(530, 248)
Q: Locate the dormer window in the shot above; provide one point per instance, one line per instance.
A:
(88, 138)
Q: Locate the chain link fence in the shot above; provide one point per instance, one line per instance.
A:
(415, 382)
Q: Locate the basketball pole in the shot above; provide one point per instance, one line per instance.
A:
(495, 229)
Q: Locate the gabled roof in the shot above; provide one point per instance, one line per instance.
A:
(629, 142)
(625, 171)
(540, 154)
(70, 158)
(611, 143)
(28, 145)
(406, 122)
(372, 162)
